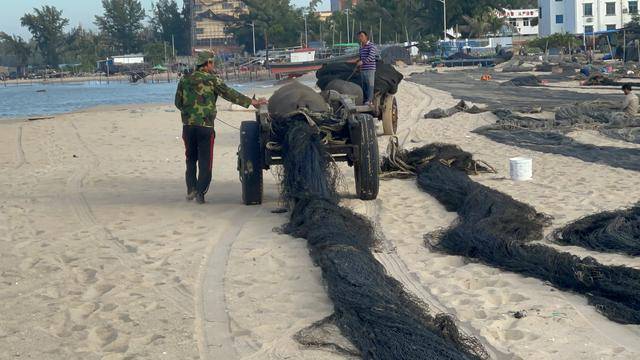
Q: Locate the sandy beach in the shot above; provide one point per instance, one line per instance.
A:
(101, 257)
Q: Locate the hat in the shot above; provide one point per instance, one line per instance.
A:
(204, 57)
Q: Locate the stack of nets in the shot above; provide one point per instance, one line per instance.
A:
(372, 309)
(497, 230)
(611, 231)
(386, 82)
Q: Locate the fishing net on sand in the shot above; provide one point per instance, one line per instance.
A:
(529, 80)
(556, 143)
(462, 106)
(597, 115)
(497, 230)
(372, 310)
(610, 231)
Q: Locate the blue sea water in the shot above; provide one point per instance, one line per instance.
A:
(22, 101)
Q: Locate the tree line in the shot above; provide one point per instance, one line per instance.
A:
(125, 27)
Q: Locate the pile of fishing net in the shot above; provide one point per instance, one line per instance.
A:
(372, 310)
(345, 88)
(386, 82)
(294, 97)
(497, 230)
(393, 54)
(529, 80)
(544, 67)
(610, 231)
(600, 80)
(462, 106)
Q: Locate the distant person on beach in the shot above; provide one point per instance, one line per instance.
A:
(196, 98)
(631, 103)
(367, 65)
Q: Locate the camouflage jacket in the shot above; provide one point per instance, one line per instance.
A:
(197, 95)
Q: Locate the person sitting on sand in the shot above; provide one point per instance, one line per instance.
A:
(196, 98)
(631, 103)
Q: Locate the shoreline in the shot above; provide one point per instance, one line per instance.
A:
(92, 109)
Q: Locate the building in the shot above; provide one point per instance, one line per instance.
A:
(584, 16)
(339, 5)
(522, 21)
(128, 59)
(324, 15)
(209, 18)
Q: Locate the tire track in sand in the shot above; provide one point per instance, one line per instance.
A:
(213, 332)
(20, 158)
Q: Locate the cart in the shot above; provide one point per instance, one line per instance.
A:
(360, 150)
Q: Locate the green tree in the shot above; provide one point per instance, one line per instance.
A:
(19, 48)
(154, 53)
(122, 23)
(46, 25)
(275, 20)
(84, 47)
(555, 41)
(167, 21)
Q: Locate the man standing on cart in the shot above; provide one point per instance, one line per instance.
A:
(196, 98)
(367, 65)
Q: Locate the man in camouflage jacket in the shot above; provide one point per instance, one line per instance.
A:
(196, 98)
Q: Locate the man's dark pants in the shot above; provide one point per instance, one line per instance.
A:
(198, 143)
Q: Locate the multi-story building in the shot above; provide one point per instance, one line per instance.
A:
(584, 16)
(339, 5)
(522, 21)
(209, 20)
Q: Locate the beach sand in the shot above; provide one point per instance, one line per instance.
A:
(102, 258)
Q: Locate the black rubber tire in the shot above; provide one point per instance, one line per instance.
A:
(367, 163)
(390, 115)
(250, 163)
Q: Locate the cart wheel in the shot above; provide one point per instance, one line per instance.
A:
(367, 163)
(390, 115)
(249, 163)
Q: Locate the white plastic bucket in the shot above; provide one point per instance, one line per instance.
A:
(521, 168)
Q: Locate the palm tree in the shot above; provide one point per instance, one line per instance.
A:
(480, 25)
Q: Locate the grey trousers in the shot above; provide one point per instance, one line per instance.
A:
(368, 81)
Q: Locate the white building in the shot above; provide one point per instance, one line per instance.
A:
(584, 16)
(128, 59)
(522, 21)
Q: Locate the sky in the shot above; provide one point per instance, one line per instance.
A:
(78, 11)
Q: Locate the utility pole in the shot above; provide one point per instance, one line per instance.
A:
(333, 35)
(380, 33)
(165, 52)
(348, 37)
(306, 37)
(253, 30)
(444, 11)
(173, 46)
